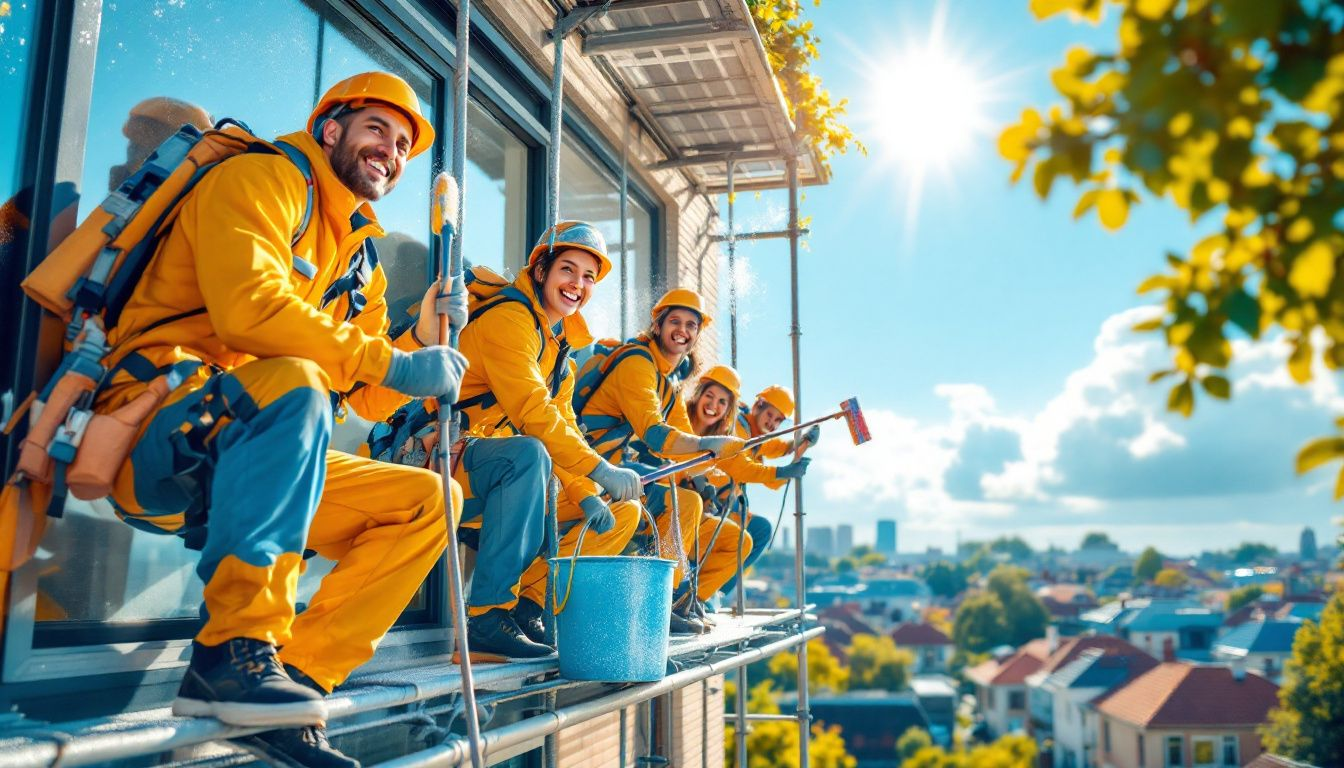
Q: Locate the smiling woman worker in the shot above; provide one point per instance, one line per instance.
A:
(631, 394)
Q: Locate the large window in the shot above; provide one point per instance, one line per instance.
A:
(496, 185)
(589, 192)
(16, 49)
(263, 62)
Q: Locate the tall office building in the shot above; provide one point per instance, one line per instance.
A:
(886, 537)
(820, 541)
(844, 539)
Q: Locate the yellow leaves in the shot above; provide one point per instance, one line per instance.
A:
(1180, 124)
(1088, 9)
(1181, 399)
(1240, 128)
(1147, 326)
(1300, 230)
(1208, 250)
(1313, 270)
(1153, 9)
(1153, 283)
(1017, 141)
(1299, 361)
(1320, 452)
(1130, 36)
(1112, 208)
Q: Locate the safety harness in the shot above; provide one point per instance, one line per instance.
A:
(607, 434)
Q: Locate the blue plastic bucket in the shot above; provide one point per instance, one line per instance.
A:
(612, 623)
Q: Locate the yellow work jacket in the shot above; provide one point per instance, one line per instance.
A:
(507, 388)
(630, 402)
(749, 466)
(226, 287)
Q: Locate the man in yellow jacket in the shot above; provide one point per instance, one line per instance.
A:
(263, 334)
(630, 395)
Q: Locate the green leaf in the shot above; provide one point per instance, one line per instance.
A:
(1243, 311)
(1318, 452)
(1182, 399)
(1218, 386)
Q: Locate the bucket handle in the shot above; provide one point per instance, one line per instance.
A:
(578, 547)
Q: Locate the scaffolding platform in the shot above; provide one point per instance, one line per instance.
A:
(417, 691)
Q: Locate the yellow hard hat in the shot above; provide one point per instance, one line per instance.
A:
(779, 397)
(573, 234)
(684, 298)
(724, 376)
(377, 88)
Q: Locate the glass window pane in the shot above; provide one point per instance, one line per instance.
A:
(263, 62)
(16, 31)
(496, 186)
(589, 193)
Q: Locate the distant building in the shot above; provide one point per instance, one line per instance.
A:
(872, 721)
(844, 540)
(931, 647)
(883, 602)
(886, 537)
(1262, 647)
(1307, 544)
(1165, 628)
(821, 541)
(1001, 687)
(937, 694)
(1072, 687)
(1181, 714)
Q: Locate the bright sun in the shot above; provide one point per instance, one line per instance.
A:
(927, 108)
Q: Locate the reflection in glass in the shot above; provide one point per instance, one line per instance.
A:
(16, 31)
(496, 214)
(263, 62)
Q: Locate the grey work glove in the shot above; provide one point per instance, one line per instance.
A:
(430, 372)
(792, 471)
(598, 514)
(812, 435)
(722, 445)
(453, 304)
(620, 483)
(707, 491)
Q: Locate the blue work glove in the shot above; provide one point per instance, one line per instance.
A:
(722, 445)
(792, 471)
(620, 483)
(598, 514)
(812, 435)
(706, 489)
(430, 372)
(453, 304)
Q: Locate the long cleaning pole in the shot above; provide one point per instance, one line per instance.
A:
(452, 265)
(732, 270)
(800, 575)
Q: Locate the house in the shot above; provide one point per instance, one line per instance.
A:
(1071, 688)
(871, 721)
(882, 601)
(1001, 688)
(1262, 647)
(1179, 628)
(1066, 602)
(932, 649)
(938, 697)
(1040, 700)
(842, 622)
(1179, 714)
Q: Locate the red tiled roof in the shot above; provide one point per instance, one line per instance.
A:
(1039, 648)
(1182, 695)
(919, 634)
(1013, 670)
(1074, 647)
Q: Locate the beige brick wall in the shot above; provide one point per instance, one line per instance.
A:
(691, 748)
(597, 742)
(688, 216)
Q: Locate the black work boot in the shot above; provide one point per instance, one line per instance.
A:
(240, 682)
(682, 623)
(304, 747)
(528, 616)
(496, 632)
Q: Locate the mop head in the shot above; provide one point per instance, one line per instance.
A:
(443, 204)
(858, 428)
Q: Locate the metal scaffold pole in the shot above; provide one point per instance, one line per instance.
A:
(625, 195)
(800, 574)
(732, 271)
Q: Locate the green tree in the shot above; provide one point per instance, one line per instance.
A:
(775, 744)
(1147, 566)
(944, 579)
(980, 623)
(824, 671)
(1012, 751)
(1024, 614)
(1251, 552)
(910, 742)
(846, 565)
(1015, 547)
(1234, 110)
(1305, 726)
(1171, 578)
(873, 558)
(1243, 596)
(1096, 540)
(876, 664)
(792, 48)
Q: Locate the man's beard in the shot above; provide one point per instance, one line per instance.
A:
(349, 166)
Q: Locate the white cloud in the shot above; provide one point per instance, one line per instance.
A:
(1105, 442)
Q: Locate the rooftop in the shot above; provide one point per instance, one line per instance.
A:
(1183, 695)
(1259, 637)
(1074, 647)
(917, 633)
(1095, 668)
(1013, 670)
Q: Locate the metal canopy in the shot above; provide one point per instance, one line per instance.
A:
(699, 77)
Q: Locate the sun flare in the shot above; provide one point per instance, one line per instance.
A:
(926, 108)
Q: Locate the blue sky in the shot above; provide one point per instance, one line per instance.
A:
(985, 336)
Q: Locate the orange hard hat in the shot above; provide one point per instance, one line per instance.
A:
(564, 235)
(779, 397)
(382, 88)
(726, 377)
(683, 298)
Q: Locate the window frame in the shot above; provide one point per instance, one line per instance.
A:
(1234, 742)
(1215, 751)
(1178, 743)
